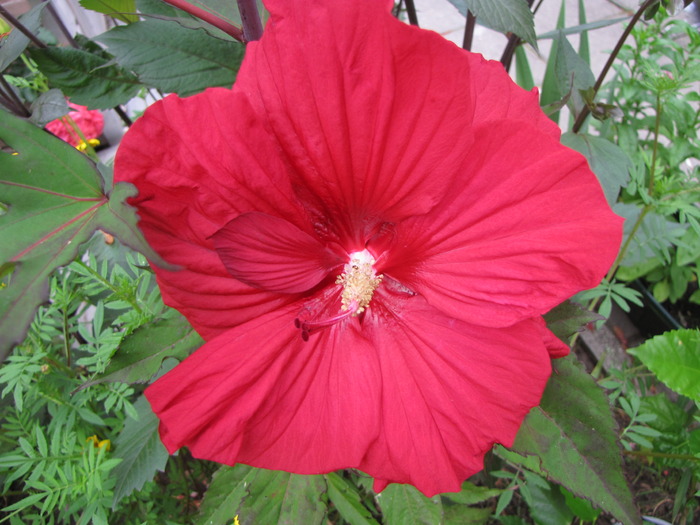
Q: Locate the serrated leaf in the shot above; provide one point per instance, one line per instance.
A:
(506, 16)
(675, 359)
(141, 451)
(16, 42)
(347, 500)
(124, 10)
(86, 78)
(172, 58)
(141, 354)
(48, 106)
(263, 496)
(55, 201)
(573, 434)
(568, 319)
(405, 505)
(609, 162)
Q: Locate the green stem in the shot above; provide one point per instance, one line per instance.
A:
(654, 152)
(628, 241)
(208, 17)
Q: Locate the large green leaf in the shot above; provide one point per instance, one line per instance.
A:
(141, 451)
(573, 435)
(404, 505)
(87, 78)
(141, 354)
(263, 496)
(550, 86)
(16, 42)
(347, 500)
(54, 199)
(124, 10)
(574, 75)
(173, 58)
(675, 359)
(608, 161)
(48, 106)
(506, 16)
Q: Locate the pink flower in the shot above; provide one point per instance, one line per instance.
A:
(89, 121)
(369, 227)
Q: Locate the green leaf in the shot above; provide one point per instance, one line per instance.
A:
(141, 451)
(124, 10)
(573, 73)
(581, 28)
(523, 73)
(675, 359)
(172, 58)
(547, 505)
(48, 106)
(472, 494)
(608, 161)
(347, 500)
(506, 16)
(86, 78)
(573, 434)
(141, 354)
(263, 496)
(56, 200)
(460, 515)
(550, 87)
(405, 505)
(568, 319)
(16, 42)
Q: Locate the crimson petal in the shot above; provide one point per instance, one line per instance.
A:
(414, 397)
(528, 228)
(270, 253)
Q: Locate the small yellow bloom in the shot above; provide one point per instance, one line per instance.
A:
(97, 443)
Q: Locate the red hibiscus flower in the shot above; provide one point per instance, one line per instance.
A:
(90, 122)
(369, 227)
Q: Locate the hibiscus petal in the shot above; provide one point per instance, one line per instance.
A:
(451, 390)
(528, 227)
(191, 182)
(270, 253)
(260, 395)
(410, 397)
(374, 115)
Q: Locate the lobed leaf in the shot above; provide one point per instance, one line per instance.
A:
(573, 434)
(675, 359)
(173, 58)
(55, 200)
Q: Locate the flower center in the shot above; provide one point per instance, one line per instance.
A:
(359, 281)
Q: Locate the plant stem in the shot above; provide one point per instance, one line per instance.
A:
(252, 26)
(654, 151)
(599, 82)
(10, 99)
(469, 31)
(411, 12)
(208, 17)
(628, 241)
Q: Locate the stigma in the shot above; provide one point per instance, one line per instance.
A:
(359, 281)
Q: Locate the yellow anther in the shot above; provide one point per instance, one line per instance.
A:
(359, 282)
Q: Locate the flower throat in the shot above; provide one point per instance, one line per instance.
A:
(359, 281)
